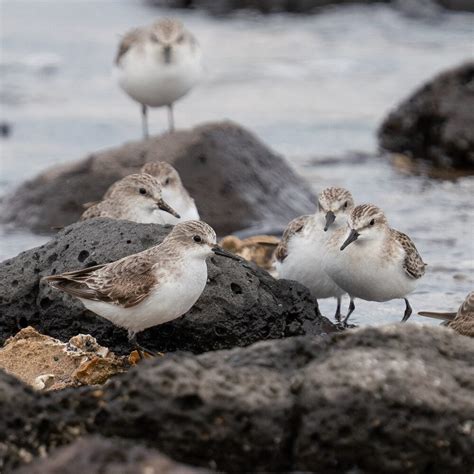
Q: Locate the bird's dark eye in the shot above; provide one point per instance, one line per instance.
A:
(167, 181)
(197, 239)
(142, 191)
(180, 39)
(345, 205)
(372, 222)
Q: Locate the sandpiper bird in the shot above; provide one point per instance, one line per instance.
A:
(462, 321)
(174, 193)
(300, 254)
(136, 198)
(151, 287)
(157, 65)
(372, 261)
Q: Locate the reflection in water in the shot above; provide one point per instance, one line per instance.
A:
(309, 86)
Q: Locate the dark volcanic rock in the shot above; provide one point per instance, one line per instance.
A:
(396, 399)
(240, 305)
(296, 6)
(437, 122)
(265, 6)
(236, 180)
(98, 455)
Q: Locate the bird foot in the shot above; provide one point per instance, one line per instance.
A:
(341, 325)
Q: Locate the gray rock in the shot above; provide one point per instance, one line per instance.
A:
(436, 123)
(395, 399)
(240, 305)
(98, 455)
(264, 6)
(236, 180)
(295, 6)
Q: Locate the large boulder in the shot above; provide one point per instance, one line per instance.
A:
(98, 455)
(264, 6)
(436, 123)
(395, 399)
(295, 6)
(236, 180)
(241, 304)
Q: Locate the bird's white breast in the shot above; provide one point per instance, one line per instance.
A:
(364, 271)
(144, 75)
(305, 264)
(171, 298)
(182, 204)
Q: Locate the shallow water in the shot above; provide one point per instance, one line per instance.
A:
(309, 86)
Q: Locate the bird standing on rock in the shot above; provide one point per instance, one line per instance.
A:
(157, 65)
(151, 287)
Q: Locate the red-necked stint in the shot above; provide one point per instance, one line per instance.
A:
(174, 193)
(137, 198)
(370, 260)
(151, 287)
(158, 64)
(301, 253)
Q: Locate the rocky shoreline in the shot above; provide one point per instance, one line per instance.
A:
(391, 399)
(251, 378)
(302, 6)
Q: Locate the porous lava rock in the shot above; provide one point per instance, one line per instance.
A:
(395, 399)
(241, 303)
(98, 455)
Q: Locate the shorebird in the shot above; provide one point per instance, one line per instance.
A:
(148, 288)
(135, 198)
(372, 261)
(300, 256)
(173, 192)
(462, 321)
(157, 65)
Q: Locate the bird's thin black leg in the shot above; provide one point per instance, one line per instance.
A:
(145, 121)
(337, 316)
(351, 310)
(170, 118)
(408, 311)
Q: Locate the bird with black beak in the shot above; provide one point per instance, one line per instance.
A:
(301, 254)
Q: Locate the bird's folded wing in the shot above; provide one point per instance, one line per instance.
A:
(295, 226)
(413, 263)
(124, 283)
(127, 41)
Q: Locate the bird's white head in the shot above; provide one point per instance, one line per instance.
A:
(365, 222)
(336, 204)
(172, 38)
(198, 239)
(140, 190)
(167, 175)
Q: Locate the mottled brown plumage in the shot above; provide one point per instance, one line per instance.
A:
(295, 226)
(128, 281)
(165, 30)
(135, 197)
(124, 283)
(463, 323)
(413, 263)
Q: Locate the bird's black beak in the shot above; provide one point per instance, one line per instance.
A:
(167, 208)
(167, 54)
(224, 253)
(352, 238)
(330, 218)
